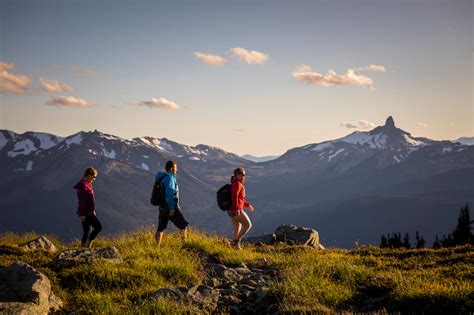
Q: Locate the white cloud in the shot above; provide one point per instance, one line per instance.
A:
(68, 101)
(348, 125)
(54, 86)
(249, 56)
(366, 124)
(160, 103)
(304, 73)
(209, 59)
(373, 68)
(12, 83)
(362, 124)
(421, 124)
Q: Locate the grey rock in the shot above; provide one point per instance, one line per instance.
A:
(296, 235)
(25, 290)
(265, 239)
(73, 257)
(40, 243)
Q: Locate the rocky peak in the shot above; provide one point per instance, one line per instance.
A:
(389, 123)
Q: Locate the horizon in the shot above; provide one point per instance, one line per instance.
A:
(295, 73)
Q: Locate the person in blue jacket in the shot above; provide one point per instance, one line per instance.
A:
(169, 208)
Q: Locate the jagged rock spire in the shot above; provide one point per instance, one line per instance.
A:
(389, 122)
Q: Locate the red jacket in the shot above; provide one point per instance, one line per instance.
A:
(237, 191)
(85, 198)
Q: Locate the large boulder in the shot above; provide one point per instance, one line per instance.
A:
(296, 235)
(265, 239)
(73, 257)
(25, 290)
(40, 243)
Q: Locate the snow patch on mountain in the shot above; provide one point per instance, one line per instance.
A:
(335, 154)
(194, 158)
(446, 149)
(3, 140)
(413, 142)
(377, 141)
(145, 167)
(107, 154)
(322, 146)
(24, 147)
(76, 139)
(29, 166)
(47, 141)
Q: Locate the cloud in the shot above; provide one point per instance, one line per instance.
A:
(249, 56)
(160, 103)
(209, 59)
(348, 125)
(10, 82)
(54, 86)
(421, 124)
(81, 71)
(366, 124)
(373, 68)
(304, 73)
(68, 101)
(362, 124)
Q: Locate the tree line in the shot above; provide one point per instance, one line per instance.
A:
(461, 235)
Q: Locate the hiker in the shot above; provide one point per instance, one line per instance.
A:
(86, 207)
(169, 209)
(236, 212)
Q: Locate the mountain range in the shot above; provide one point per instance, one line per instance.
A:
(351, 189)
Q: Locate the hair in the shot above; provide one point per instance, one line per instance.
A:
(90, 171)
(239, 171)
(169, 165)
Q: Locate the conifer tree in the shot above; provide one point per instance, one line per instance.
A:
(383, 241)
(420, 241)
(406, 241)
(462, 233)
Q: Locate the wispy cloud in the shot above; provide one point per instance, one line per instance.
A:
(209, 59)
(373, 68)
(81, 71)
(304, 73)
(362, 124)
(68, 101)
(421, 124)
(348, 125)
(366, 124)
(249, 56)
(10, 82)
(54, 86)
(160, 103)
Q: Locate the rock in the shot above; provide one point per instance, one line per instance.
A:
(292, 234)
(204, 296)
(41, 243)
(265, 239)
(25, 290)
(172, 294)
(74, 257)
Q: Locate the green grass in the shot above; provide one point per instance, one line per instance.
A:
(312, 281)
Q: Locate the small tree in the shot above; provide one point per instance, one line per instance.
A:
(462, 233)
(447, 241)
(406, 241)
(420, 241)
(437, 243)
(383, 241)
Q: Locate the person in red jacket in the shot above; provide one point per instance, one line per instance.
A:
(86, 207)
(240, 219)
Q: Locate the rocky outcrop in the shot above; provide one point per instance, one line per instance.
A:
(290, 234)
(239, 290)
(24, 290)
(41, 243)
(73, 257)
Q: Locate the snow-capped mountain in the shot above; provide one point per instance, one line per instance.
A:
(259, 159)
(367, 182)
(465, 140)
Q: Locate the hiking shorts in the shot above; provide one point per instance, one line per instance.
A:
(178, 220)
(234, 213)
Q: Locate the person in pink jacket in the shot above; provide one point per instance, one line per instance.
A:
(86, 207)
(240, 219)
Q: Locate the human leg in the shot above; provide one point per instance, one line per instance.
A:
(243, 219)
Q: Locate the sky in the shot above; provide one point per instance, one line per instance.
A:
(250, 77)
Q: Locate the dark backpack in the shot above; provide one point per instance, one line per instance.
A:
(224, 198)
(157, 194)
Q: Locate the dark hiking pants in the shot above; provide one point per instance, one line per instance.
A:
(89, 222)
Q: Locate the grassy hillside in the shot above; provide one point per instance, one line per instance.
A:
(312, 281)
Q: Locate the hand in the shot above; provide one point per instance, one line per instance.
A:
(172, 212)
(250, 207)
(82, 218)
(95, 214)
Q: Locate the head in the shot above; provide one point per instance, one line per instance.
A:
(239, 173)
(171, 166)
(90, 174)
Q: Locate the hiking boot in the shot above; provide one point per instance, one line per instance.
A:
(236, 244)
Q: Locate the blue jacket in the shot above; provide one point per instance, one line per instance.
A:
(170, 187)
